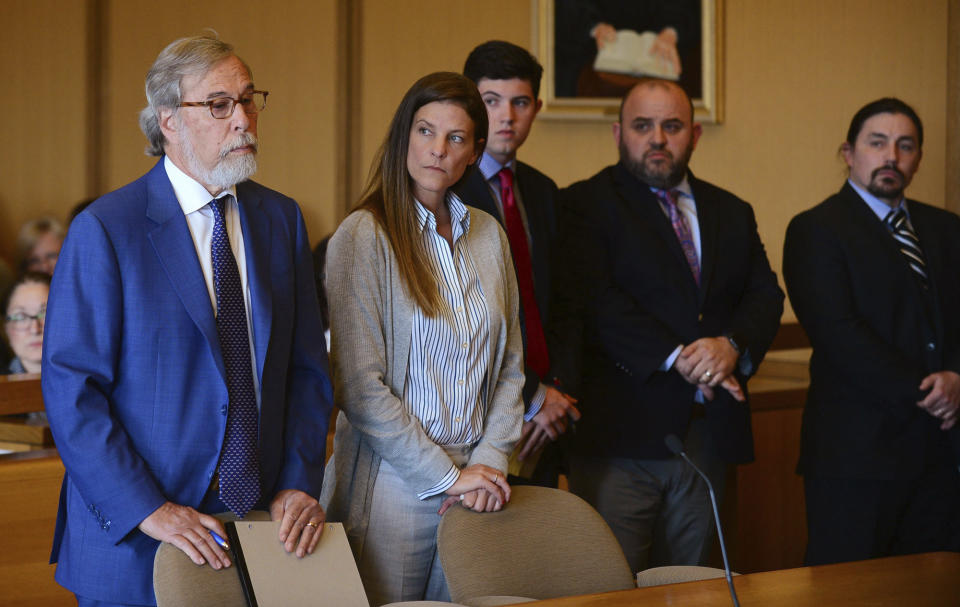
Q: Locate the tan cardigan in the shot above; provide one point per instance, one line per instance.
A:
(370, 328)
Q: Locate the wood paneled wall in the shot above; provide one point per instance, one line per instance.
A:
(795, 74)
(43, 155)
(73, 75)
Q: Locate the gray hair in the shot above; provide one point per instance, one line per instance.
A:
(183, 57)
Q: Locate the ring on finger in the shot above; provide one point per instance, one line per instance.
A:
(708, 374)
(313, 524)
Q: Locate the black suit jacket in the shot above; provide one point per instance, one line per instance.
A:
(875, 334)
(632, 300)
(538, 194)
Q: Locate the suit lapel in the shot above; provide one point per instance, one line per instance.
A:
(708, 220)
(533, 206)
(174, 247)
(643, 205)
(257, 244)
(926, 229)
(928, 234)
(475, 192)
(887, 245)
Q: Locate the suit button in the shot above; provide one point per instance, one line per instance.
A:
(223, 410)
(931, 346)
(700, 317)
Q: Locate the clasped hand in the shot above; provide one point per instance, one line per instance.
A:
(943, 401)
(301, 525)
(549, 422)
(479, 488)
(709, 362)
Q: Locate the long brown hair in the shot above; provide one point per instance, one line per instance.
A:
(388, 194)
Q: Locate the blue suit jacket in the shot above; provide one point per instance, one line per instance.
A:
(133, 376)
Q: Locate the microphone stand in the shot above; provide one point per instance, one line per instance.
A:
(676, 447)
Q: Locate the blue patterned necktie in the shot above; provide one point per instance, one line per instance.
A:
(668, 199)
(239, 461)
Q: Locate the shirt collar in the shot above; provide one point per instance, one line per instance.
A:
(682, 188)
(191, 195)
(459, 215)
(489, 167)
(879, 207)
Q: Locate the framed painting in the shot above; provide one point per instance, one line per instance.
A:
(593, 51)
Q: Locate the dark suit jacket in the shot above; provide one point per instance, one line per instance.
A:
(875, 335)
(538, 194)
(632, 300)
(134, 382)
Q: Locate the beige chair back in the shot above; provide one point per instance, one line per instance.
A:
(677, 574)
(545, 543)
(178, 582)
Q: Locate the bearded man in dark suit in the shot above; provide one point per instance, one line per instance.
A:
(670, 307)
(874, 278)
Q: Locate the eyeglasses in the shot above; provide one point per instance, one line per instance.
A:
(22, 322)
(222, 107)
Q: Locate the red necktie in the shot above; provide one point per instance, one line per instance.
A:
(537, 357)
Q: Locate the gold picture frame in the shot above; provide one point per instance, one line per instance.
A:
(704, 82)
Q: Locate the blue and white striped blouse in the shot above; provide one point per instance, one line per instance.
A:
(449, 353)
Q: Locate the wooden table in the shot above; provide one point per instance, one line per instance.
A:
(918, 580)
(22, 394)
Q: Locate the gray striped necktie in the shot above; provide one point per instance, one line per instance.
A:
(908, 243)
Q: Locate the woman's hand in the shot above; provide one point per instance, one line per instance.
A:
(480, 488)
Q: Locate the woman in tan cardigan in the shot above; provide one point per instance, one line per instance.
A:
(426, 347)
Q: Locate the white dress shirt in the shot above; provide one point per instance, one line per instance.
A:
(194, 199)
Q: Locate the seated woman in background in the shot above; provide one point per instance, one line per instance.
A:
(38, 245)
(426, 347)
(25, 307)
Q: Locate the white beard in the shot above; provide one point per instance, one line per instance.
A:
(229, 170)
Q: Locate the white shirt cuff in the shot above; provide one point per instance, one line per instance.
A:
(536, 403)
(448, 480)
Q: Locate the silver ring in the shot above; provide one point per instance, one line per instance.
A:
(461, 497)
(708, 374)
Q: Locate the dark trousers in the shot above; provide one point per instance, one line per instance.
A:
(659, 510)
(857, 519)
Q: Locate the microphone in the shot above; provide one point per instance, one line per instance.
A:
(676, 447)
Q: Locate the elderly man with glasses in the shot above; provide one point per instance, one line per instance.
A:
(184, 370)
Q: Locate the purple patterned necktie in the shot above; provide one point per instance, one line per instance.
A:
(239, 461)
(668, 199)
